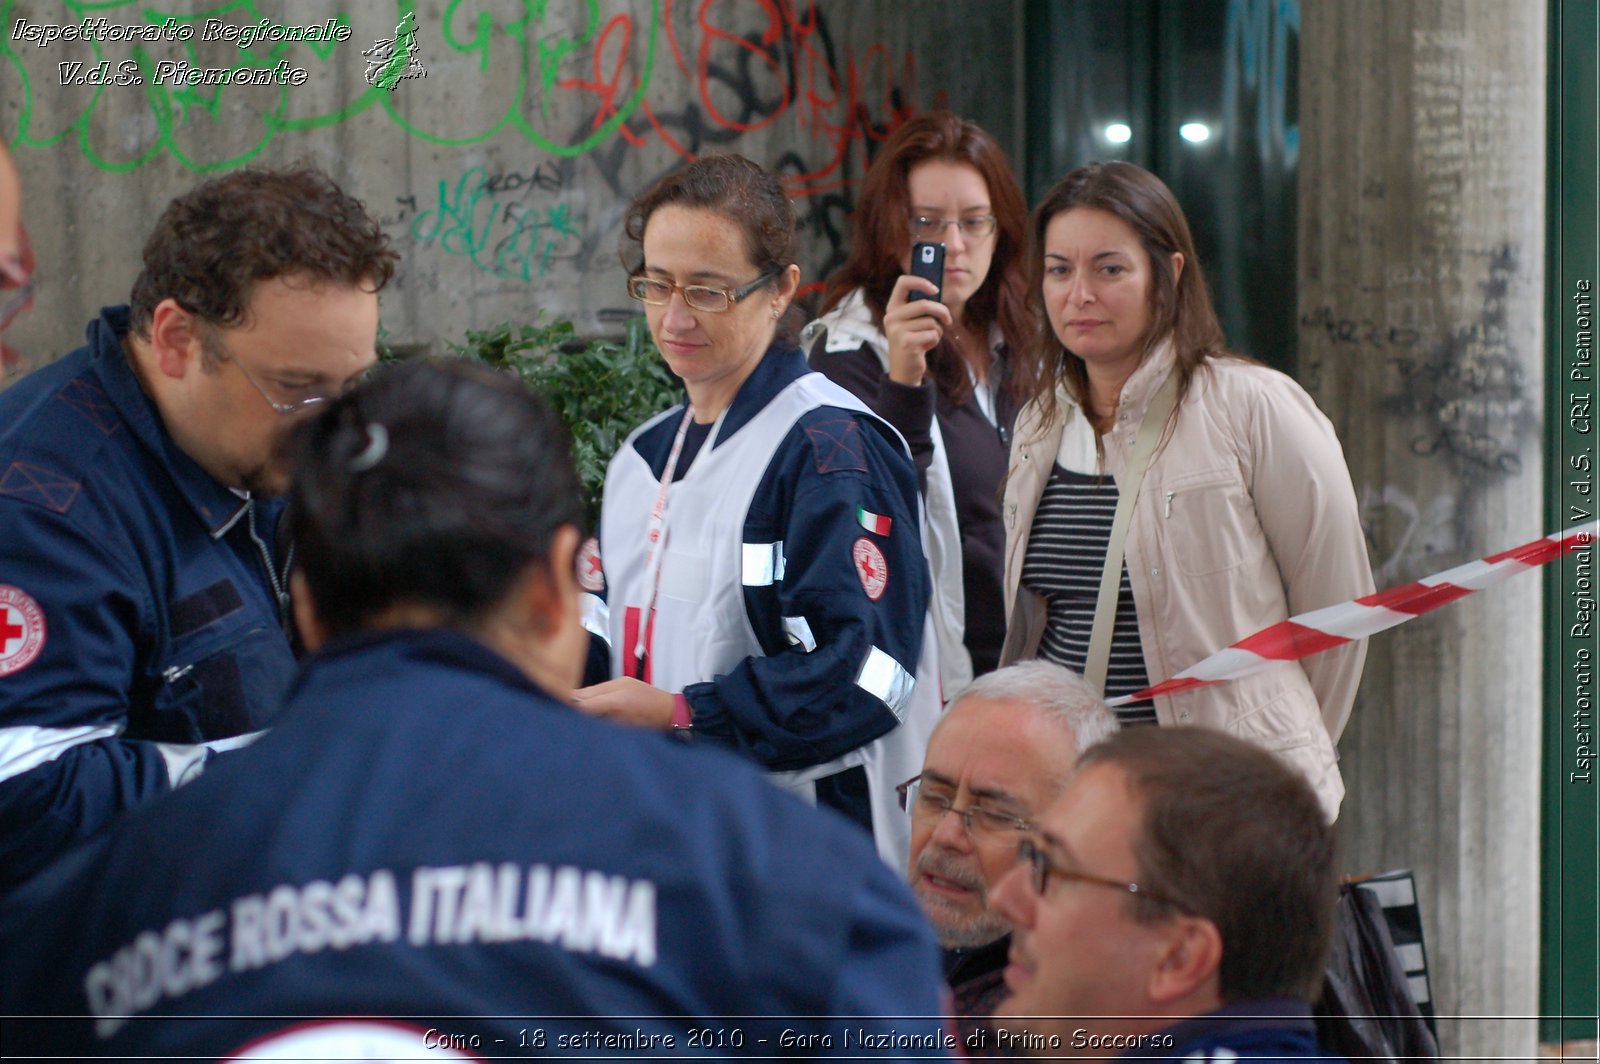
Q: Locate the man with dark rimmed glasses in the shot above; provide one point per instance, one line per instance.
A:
(1174, 903)
(143, 601)
(1001, 752)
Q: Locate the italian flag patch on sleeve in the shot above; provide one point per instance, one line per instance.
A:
(875, 523)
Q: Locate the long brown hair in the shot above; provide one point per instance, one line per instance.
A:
(1179, 306)
(882, 234)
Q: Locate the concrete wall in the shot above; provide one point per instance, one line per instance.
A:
(1421, 296)
(503, 172)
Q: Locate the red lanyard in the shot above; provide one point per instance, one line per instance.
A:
(656, 535)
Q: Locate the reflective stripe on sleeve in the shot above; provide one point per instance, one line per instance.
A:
(596, 614)
(799, 633)
(185, 761)
(883, 678)
(763, 564)
(26, 747)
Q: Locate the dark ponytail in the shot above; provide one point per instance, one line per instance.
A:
(435, 484)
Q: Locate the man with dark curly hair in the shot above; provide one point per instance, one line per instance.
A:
(143, 592)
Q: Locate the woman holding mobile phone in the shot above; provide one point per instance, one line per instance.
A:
(938, 361)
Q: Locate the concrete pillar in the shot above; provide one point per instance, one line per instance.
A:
(1422, 178)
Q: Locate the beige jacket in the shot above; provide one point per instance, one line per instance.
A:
(1246, 516)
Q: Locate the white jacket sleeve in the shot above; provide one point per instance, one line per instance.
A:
(1307, 508)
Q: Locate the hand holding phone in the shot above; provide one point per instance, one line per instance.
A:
(912, 329)
(927, 262)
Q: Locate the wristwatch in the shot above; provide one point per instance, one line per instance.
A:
(682, 717)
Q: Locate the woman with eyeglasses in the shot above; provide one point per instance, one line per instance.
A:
(941, 368)
(762, 559)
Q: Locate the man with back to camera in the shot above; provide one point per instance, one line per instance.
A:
(143, 600)
(998, 757)
(433, 845)
(1176, 903)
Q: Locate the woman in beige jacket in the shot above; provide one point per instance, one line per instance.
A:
(1244, 517)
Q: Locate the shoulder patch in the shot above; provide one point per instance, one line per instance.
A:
(871, 567)
(38, 485)
(21, 630)
(93, 403)
(876, 523)
(591, 575)
(836, 445)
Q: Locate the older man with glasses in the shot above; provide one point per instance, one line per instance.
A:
(1174, 903)
(1000, 754)
(143, 602)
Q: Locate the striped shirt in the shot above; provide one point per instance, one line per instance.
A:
(1066, 553)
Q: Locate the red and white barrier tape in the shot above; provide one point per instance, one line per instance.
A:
(1319, 630)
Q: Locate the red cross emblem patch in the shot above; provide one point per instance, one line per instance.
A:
(591, 575)
(870, 567)
(21, 630)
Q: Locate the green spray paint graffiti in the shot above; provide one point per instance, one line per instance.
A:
(568, 80)
(514, 241)
(748, 64)
(185, 117)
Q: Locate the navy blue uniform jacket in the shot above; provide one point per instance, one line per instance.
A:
(425, 834)
(141, 598)
(1276, 1029)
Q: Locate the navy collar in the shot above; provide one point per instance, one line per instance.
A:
(1286, 1014)
(780, 367)
(217, 506)
(446, 646)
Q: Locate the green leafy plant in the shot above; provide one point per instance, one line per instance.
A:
(601, 389)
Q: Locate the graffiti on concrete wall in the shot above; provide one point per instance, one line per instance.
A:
(749, 65)
(1463, 386)
(479, 217)
(594, 89)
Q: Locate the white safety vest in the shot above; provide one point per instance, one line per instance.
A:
(700, 629)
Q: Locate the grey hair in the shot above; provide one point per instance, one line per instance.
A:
(1057, 692)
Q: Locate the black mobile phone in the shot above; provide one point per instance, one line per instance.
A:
(927, 262)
